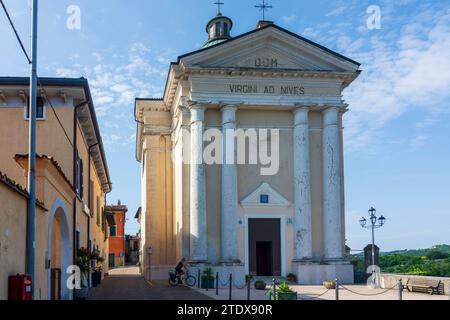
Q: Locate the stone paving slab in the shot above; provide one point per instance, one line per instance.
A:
(127, 284)
(312, 293)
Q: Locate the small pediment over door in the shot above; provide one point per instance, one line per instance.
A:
(265, 197)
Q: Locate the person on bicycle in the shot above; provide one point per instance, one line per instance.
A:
(179, 269)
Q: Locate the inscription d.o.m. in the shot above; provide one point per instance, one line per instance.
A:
(266, 63)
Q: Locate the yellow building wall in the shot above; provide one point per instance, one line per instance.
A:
(51, 186)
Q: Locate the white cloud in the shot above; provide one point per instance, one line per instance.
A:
(412, 72)
(289, 19)
(418, 141)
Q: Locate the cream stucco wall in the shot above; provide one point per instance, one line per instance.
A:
(52, 186)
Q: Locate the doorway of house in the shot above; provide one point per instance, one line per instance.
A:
(111, 260)
(264, 238)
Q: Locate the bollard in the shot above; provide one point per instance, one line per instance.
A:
(198, 278)
(337, 289)
(400, 290)
(248, 288)
(274, 289)
(217, 283)
(230, 297)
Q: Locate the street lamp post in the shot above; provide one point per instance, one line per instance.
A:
(375, 223)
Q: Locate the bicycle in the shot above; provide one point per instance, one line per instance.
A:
(186, 279)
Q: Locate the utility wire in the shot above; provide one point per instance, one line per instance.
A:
(39, 81)
(15, 32)
(56, 115)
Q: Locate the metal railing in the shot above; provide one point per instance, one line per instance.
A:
(271, 290)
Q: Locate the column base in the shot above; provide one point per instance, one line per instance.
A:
(198, 263)
(316, 273)
(231, 263)
(304, 261)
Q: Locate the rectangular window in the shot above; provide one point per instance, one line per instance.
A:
(77, 240)
(79, 176)
(112, 231)
(98, 211)
(40, 109)
(91, 198)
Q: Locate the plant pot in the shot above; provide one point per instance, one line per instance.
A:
(208, 283)
(286, 295)
(292, 279)
(81, 294)
(94, 279)
(329, 285)
(260, 285)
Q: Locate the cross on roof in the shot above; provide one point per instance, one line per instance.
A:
(264, 7)
(219, 3)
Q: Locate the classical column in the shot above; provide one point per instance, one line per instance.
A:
(333, 247)
(198, 238)
(229, 240)
(302, 187)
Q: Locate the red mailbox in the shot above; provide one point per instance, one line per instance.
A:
(20, 287)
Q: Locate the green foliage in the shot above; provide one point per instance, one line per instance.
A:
(83, 261)
(427, 262)
(284, 288)
(208, 274)
(436, 254)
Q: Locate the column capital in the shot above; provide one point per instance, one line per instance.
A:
(197, 113)
(228, 107)
(301, 108)
(301, 116)
(330, 116)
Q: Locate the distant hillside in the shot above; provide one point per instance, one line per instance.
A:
(445, 248)
(434, 261)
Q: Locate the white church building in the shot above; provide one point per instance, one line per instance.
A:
(281, 214)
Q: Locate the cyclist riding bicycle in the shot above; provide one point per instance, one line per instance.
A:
(179, 269)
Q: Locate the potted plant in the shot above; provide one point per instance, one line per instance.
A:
(99, 274)
(83, 264)
(283, 292)
(207, 279)
(260, 285)
(139, 265)
(292, 278)
(330, 284)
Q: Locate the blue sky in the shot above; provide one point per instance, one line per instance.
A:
(396, 132)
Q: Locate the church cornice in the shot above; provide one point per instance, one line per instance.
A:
(271, 73)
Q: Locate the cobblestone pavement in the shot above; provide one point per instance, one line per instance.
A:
(127, 284)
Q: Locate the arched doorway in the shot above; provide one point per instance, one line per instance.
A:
(59, 252)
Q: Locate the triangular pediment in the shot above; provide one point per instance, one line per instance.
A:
(270, 48)
(265, 196)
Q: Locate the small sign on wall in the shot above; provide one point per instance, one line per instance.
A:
(264, 198)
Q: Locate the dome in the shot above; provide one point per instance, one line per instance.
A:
(218, 30)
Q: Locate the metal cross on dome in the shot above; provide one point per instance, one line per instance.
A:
(264, 7)
(219, 3)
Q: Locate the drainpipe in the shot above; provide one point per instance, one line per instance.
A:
(74, 205)
(89, 202)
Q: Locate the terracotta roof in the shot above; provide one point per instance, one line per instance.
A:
(116, 208)
(52, 161)
(19, 189)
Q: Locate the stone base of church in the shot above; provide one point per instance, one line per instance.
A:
(157, 273)
(316, 274)
(236, 269)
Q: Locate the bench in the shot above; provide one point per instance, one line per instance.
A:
(425, 285)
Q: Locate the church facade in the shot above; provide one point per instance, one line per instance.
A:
(275, 205)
